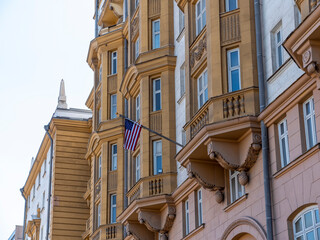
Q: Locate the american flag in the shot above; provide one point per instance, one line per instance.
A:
(132, 133)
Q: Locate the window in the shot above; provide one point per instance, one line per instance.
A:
(309, 123)
(33, 192)
(181, 21)
(137, 48)
(202, 88)
(114, 157)
(182, 81)
(44, 166)
(155, 34)
(113, 106)
(183, 137)
(113, 208)
(186, 216)
(39, 177)
(236, 189)
(200, 15)
(29, 201)
(138, 108)
(199, 206)
(278, 48)
(137, 167)
(307, 224)
(98, 215)
(114, 63)
(99, 115)
(283, 142)
(99, 167)
(234, 79)
(43, 199)
(231, 5)
(156, 94)
(157, 157)
(136, 3)
(100, 73)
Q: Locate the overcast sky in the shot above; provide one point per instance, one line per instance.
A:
(41, 42)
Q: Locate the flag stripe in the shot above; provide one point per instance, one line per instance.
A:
(131, 136)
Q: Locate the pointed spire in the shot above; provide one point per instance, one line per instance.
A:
(62, 99)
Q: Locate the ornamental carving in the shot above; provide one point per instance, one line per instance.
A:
(197, 52)
(233, 106)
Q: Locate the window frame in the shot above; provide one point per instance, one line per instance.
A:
(310, 116)
(181, 21)
(315, 226)
(114, 157)
(278, 47)
(284, 136)
(113, 208)
(113, 106)
(136, 48)
(99, 169)
(100, 73)
(228, 6)
(233, 68)
(155, 33)
(138, 167)
(186, 217)
(114, 62)
(204, 90)
(43, 199)
(98, 214)
(199, 207)
(155, 154)
(182, 80)
(154, 94)
(138, 107)
(200, 16)
(235, 176)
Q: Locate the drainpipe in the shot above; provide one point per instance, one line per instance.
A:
(264, 130)
(25, 212)
(46, 127)
(97, 18)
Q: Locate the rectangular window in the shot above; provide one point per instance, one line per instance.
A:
(283, 142)
(278, 48)
(236, 189)
(234, 79)
(186, 216)
(114, 157)
(202, 88)
(157, 157)
(199, 205)
(137, 167)
(200, 15)
(156, 94)
(113, 106)
(155, 34)
(137, 48)
(98, 215)
(114, 63)
(99, 167)
(231, 5)
(182, 81)
(100, 73)
(43, 199)
(309, 123)
(181, 21)
(138, 108)
(113, 208)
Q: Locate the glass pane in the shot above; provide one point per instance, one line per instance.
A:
(310, 133)
(310, 236)
(240, 189)
(233, 190)
(234, 59)
(307, 106)
(281, 128)
(159, 164)
(316, 212)
(198, 9)
(232, 4)
(204, 19)
(200, 85)
(158, 100)
(201, 100)
(308, 219)
(278, 37)
(299, 238)
(205, 78)
(298, 225)
(157, 85)
(235, 78)
(198, 25)
(284, 151)
(114, 149)
(206, 95)
(203, 3)
(199, 195)
(318, 233)
(279, 55)
(157, 26)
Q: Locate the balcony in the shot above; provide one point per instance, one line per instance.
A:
(110, 231)
(152, 186)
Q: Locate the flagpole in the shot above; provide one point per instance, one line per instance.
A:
(150, 130)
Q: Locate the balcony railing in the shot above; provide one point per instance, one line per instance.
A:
(152, 185)
(224, 107)
(110, 231)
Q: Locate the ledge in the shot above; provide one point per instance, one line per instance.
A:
(181, 34)
(235, 203)
(194, 231)
(297, 161)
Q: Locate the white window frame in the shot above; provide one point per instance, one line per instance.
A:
(154, 93)
(136, 3)
(138, 112)
(228, 6)
(182, 80)
(278, 47)
(155, 155)
(98, 214)
(113, 106)
(114, 157)
(284, 136)
(113, 208)
(183, 137)
(204, 88)
(181, 21)
(99, 115)
(234, 175)
(200, 207)
(100, 73)
(200, 15)
(99, 167)
(187, 217)
(43, 199)
(137, 48)
(314, 210)
(311, 117)
(44, 167)
(230, 69)
(155, 33)
(114, 61)
(138, 167)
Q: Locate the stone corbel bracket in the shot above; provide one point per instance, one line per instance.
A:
(137, 231)
(310, 55)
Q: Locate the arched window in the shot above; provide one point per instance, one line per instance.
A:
(306, 226)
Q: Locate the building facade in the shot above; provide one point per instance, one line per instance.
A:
(55, 208)
(17, 233)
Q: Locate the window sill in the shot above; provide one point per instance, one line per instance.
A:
(297, 161)
(181, 34)
(194, 232)
(236, 202)
(181, 98)
(279, 70)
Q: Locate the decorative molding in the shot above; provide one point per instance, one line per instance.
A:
(197, 51)
(252, 154)
(135, 26)
(230, 28)
(214, 155)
